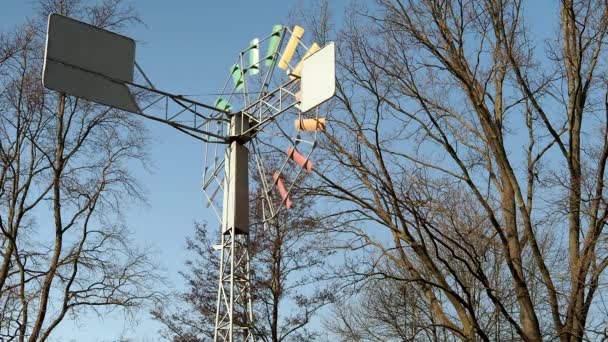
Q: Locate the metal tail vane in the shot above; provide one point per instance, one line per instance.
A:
(265, 118)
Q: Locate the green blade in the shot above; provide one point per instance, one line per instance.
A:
(237, 77)
(273, 45)
(254, 57)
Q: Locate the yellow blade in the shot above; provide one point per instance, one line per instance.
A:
(298, 69)
(291, 46)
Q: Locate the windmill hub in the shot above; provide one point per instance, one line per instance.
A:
(240, 128)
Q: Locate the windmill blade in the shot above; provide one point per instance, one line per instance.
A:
(299, 159)
(254, 57)
(291, 46)
(282, 190)
(310, 125)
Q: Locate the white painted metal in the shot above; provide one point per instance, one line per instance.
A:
(66, 79)
(90, 48)
(318, 77)
(236, 193)
(89, 62)
(234, 307)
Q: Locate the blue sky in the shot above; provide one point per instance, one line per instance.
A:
(186, 46)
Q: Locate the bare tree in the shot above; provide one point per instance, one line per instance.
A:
(288, 287)
(387, 308)
(191, 316)
(473, 158)
(63, 182)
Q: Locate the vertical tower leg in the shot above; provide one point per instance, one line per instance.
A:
(234, 316)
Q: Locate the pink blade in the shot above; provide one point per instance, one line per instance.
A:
(299, 159)
(282, 190)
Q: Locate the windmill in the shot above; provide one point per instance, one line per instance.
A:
(268, 107)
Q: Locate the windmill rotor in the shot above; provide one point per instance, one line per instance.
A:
(269, 92)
